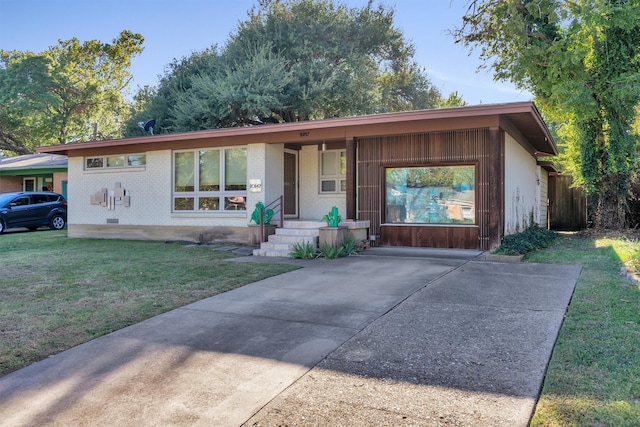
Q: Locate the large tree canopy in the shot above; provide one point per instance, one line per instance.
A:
(71, 92)
(581, 60)
(293, 60)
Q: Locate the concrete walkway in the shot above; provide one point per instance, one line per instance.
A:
(390, 337)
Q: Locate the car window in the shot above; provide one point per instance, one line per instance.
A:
(40, 198)
(20, 201)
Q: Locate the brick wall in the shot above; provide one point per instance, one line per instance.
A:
(10, 183)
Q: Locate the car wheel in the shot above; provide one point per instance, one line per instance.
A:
(57, 222)
(1, 226)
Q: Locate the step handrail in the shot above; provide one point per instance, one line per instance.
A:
(277, 207)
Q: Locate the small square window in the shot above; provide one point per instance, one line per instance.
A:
(95, 162)
(137, 160)
(208, 203)
(328, 186)
(333, 169)
(183, 203)
(115, 161)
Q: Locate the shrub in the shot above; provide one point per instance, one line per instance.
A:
(303, 250)
(526, 241)
(331, 252)
(349, 246)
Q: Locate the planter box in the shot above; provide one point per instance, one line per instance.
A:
(356, 230)
(331, 236)
(254, 233)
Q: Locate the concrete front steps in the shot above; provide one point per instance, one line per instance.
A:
(292, 232)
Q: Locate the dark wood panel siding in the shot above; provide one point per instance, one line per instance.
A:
(430, 236)
(425, 149)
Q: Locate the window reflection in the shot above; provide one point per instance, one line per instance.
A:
(430, 195)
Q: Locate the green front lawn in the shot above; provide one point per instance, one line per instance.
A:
(58, 292)
(594, 374)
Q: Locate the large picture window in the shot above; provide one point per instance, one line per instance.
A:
(430, 195)
(212, 179)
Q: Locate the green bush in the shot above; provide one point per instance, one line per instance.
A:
(529, 240)
(349, 246)
(331, 252)
(307, 250)
(304, 250)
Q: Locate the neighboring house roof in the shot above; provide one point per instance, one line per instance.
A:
(521, 118)
(32, 162)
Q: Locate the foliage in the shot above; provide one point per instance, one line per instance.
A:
(350, 246)
(267, 214)
(71, 92)
(331, 252)
(581, 60)
(307, 250)
(59, 302)
(303, 250)
(347, 248)
(593, 378)
(532, 238)
(293, 60)
(332, 218)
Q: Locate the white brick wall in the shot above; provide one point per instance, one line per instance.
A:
(150, 192)
(543, 190)
(313, 205)
(266, 163)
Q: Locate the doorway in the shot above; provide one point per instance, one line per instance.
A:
(290, 184)
(29, 184)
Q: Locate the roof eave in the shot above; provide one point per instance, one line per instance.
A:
(378, 119)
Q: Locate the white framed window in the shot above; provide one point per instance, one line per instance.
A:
(210, 179)
(333, 171)
(117, 161)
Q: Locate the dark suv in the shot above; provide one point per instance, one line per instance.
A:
(32, 209)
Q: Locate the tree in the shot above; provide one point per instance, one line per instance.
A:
(294, 60)
(581, 60)
(71, 92)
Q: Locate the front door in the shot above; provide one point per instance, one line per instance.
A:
(29, 184)
(290, 184)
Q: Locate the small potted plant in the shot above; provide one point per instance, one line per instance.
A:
(333, 233)
(255, 238)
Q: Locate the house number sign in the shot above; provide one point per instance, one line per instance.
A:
(255, 185)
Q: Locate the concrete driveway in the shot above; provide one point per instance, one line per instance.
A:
(390, 337)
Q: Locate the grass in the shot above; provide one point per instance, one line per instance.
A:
(59, 292)
(593, 377)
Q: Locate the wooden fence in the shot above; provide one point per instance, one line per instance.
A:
(567, 206)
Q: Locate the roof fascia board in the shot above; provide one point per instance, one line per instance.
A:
(543, 127)
(339, 128)
(31, 170)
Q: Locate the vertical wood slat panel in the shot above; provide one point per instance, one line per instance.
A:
(424, 149)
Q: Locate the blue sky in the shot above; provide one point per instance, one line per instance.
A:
(176, 28)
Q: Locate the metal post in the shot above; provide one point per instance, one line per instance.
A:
(281, 211)
(261, 225)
